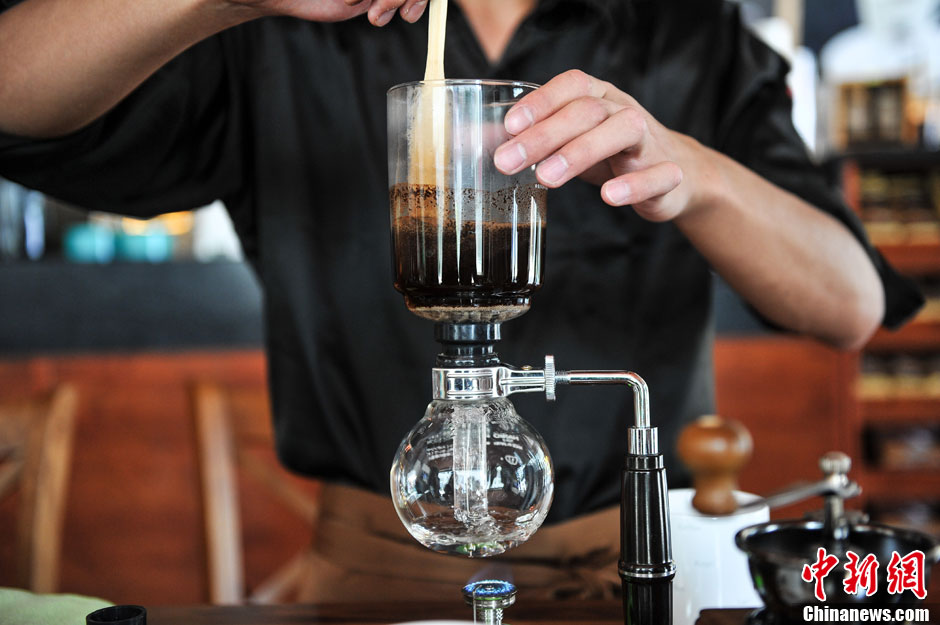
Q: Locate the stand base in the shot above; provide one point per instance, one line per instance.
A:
(647, 603)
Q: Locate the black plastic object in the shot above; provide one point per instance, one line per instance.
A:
(777, 552)
(467, 344)
(646, 566)
(466, 332)
(118, 615)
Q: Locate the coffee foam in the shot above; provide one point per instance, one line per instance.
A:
(428, 201)
(469, 314)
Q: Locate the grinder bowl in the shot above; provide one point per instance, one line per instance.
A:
(777, 552)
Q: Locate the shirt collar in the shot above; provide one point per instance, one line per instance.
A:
(604, 8)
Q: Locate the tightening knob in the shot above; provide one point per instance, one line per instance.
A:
(550, 377)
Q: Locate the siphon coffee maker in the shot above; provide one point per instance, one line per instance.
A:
(472, 477)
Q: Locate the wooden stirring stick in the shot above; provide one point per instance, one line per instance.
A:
(429, 137)
(437, 28)
(715, 449)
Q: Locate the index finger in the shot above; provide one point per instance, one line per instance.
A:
(552, 97)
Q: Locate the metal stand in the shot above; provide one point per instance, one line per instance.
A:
(469, 368)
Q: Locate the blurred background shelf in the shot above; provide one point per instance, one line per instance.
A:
(901, 485)
(915, 336)
(894, 416)
(895, 411)
(914, 259)
(895, 159)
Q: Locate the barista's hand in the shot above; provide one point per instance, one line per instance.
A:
(577, 125)
(380, 12)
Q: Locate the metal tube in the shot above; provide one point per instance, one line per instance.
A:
(646, 566)
(641, 394)
(643, 439)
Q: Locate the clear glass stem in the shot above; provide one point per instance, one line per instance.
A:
(470, 500)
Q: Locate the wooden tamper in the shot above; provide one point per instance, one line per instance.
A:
(714, 449)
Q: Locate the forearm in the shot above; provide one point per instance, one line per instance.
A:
(796, 265)
(66, 62)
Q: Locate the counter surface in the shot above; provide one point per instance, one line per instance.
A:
(586, 612)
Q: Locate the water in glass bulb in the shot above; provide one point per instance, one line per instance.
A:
(472, 478)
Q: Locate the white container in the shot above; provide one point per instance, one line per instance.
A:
(711, 571)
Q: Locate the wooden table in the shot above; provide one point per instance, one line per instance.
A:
(562, 612)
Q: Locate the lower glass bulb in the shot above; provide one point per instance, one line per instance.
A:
(472, 478)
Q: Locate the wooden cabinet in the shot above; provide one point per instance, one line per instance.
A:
(791, 394)
(896, 411)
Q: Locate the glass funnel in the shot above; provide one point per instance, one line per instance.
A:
(472, 478)
(468, 241)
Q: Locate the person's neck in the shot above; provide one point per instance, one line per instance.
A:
(495, 21)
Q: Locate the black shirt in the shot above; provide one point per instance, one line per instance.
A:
(284, 120)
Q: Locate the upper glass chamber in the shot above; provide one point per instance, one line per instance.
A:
(467, 240)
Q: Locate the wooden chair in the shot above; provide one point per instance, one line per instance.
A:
(35, 460)
(230, 425)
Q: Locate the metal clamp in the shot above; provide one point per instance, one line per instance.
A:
(467, 384)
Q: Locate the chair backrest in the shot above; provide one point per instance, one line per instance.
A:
(230, 423)
(35, 459)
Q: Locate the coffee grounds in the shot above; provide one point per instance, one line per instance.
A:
(453, 268)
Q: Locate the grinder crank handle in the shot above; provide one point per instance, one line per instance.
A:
(715, 448)
(835, 466)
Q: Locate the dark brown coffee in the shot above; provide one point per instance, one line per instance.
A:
(468, 255)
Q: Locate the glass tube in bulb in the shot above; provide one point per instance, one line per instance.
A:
(472, 478)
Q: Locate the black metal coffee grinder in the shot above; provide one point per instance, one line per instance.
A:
(473, 478)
